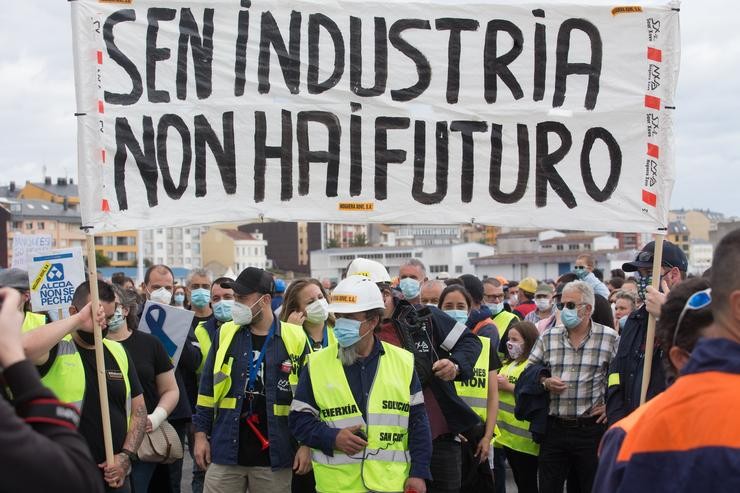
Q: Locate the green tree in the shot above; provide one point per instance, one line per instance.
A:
(332, 243)
(360, 240)
(101, 260)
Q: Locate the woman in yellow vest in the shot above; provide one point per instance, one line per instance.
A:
(478, 392)
(305, 304)
(520, 450)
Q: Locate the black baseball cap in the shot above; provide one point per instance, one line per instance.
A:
(673, 256)
(252, 280)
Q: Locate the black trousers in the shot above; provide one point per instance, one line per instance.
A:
(569, 445)
(446, 466)
(524, 468)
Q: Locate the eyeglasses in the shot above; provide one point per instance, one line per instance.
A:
(570, 305)
(579, 267)
(648, 257)
(697, 301)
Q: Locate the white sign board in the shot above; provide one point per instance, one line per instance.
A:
(26, 246)
(550, 114)
(169, 324)
(53, 278)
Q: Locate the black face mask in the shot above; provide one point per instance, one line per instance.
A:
(89, 338)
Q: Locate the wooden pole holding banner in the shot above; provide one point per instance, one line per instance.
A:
(99, 355)
(650, 337)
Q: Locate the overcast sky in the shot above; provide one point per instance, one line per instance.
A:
(37, 100)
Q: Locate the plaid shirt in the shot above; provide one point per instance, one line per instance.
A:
(584, 369)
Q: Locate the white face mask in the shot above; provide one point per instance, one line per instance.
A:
(161, 295)
(318, 311)
(543, 304)
(242, 314)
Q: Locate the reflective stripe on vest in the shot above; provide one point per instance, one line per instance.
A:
(204, 341)
(32, 321)
(474, 392)
(384, 465)
(513, 433)
(222, 367)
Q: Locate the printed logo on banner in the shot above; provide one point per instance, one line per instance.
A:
(56, 273)
(653, 77)
(653, 26)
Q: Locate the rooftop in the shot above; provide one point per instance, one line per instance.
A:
(40, 209)
(237, 235)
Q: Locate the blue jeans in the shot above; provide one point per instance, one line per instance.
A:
(199, 475)
(175, 469)
(141, 475)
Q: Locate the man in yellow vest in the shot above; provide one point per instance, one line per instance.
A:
(241, 422)
(18, 279)
(66, 361)
(359, 404)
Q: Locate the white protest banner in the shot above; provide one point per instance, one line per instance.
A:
(53, 278)
(541, 114)
(169, 324)
(26, 246)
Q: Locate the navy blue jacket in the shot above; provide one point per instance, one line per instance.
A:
(625, 371)
(532, 401)
(308, 429)
(223, 427)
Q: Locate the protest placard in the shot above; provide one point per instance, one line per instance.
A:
(169, 324)
(26, 246)
(53, 278)
(553, 114)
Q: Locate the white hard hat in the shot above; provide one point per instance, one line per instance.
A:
(355, 294)
(371, 269)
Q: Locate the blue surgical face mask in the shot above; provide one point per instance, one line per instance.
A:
(623, 321)
(222, 310)
(459, 315)
(179, 299)
(495, 308)
(581, 273)
(409, 287)
(200, 297)
(347, 331)
(570, 318)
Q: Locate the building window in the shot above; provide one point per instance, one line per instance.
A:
(17, 224)
(40, 225)
(160, 245)
(458, 269)
(472, 255)
(559, 247)
(29, 225)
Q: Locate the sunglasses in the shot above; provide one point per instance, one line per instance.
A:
(648, 257)
(697, 301)
(570, 305)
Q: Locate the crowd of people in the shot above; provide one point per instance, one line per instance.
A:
(383, 384)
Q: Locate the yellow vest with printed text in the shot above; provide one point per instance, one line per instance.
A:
(384, 464)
